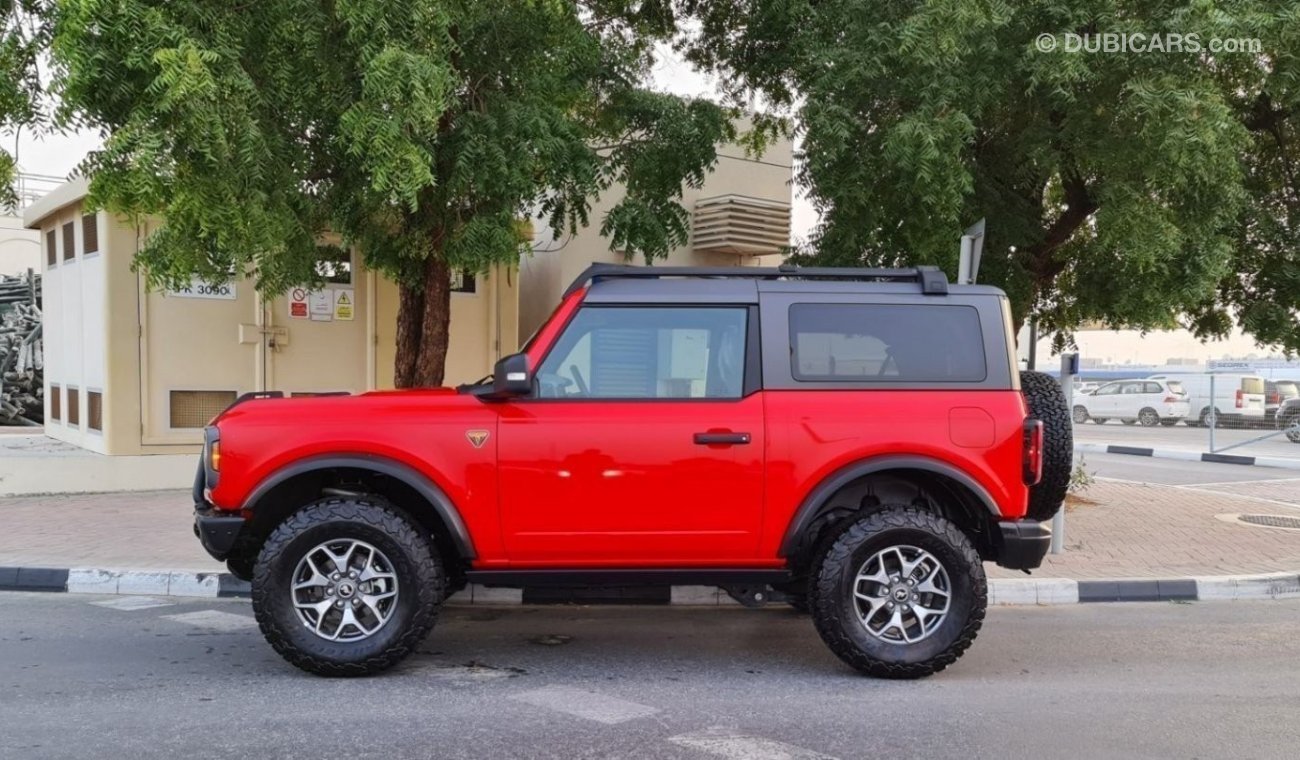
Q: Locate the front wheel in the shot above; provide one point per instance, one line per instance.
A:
(900, 594)
(347, 587)
(1080, 415)
(1291, 425)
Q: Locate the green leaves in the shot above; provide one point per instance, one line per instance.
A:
(1137, 189)
(412, 128)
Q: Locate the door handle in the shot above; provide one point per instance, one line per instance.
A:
(728, 439)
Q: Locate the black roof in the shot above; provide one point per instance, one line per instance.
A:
(930, 280)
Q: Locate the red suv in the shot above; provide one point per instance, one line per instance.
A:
(856, 440)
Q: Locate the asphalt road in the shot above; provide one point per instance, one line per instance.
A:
(195, 680)
(1184, 438)
(1176, 472)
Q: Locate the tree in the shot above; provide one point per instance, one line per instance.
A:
(24, 33)
(1139, 189)
(423, 131)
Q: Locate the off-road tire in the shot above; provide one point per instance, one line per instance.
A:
(1046, 402)
(835, 614)
(415, 561)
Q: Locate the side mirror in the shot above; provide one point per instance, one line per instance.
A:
(511, 377)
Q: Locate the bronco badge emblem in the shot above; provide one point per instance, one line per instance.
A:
(477, 437)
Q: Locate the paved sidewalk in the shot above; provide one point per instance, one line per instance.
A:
(1138, 530)
(1130, 531)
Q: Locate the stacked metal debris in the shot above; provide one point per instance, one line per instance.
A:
(22, 362)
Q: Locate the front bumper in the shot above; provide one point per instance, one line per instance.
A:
(217, 531)
(1024, 544)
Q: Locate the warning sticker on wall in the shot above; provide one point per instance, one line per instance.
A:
(298, 303)
(344, 300)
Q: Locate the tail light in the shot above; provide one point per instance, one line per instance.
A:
(1033, 451)
(1240, 399)
(1275, 398)
(1171, 399)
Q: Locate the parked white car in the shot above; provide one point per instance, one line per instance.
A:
(1238, 398)
(1149, 402)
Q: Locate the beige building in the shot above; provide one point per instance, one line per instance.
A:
(130, 370)
(20, 248)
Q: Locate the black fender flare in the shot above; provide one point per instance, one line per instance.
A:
(412, 477)
(819, 495)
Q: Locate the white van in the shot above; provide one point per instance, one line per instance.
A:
(1239, 398)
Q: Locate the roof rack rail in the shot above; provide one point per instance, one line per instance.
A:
(931, 279)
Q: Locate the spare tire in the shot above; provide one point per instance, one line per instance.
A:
(1046, 402)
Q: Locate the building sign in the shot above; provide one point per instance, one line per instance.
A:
(320, 304)
(298, 303)
(197, 288)
(344, 301)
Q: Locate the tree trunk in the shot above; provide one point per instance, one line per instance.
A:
(423, 327)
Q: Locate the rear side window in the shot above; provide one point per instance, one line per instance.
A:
(1252, 385)
(886, 343)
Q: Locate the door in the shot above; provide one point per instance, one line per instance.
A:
(315, 339)
(642, 444)
(1103, 402)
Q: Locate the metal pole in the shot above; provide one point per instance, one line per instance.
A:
(1033, 344)
(1067, 387)
(1214, 411)
(963, 261)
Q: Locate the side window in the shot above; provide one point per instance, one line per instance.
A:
(1108, 390)
(634, 352)
(886, 343)
(1152, 388)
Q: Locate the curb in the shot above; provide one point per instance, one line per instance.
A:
(1188, 456)
(1002, 591)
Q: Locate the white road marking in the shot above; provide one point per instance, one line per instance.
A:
(730, 744)
(591, 705)
(224, 622)
(133, 603)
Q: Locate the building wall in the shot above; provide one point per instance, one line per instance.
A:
(556, 262)
(74, 310)
(20, 248)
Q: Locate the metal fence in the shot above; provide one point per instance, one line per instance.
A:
(1252, 412)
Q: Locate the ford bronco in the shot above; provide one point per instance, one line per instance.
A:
(857, 442)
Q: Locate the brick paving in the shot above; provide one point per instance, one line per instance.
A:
(1130, 531)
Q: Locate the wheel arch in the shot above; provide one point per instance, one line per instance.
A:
(978, 509)
(406, 487)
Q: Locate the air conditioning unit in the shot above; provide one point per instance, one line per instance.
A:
(740, 225)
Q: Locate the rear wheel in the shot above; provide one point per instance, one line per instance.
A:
(1209, 416)
(900, 594)
(347, 587)
(1046, 402)
(1149, 417)
(1169, 422)
(1080, 415)
(1100, 420)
